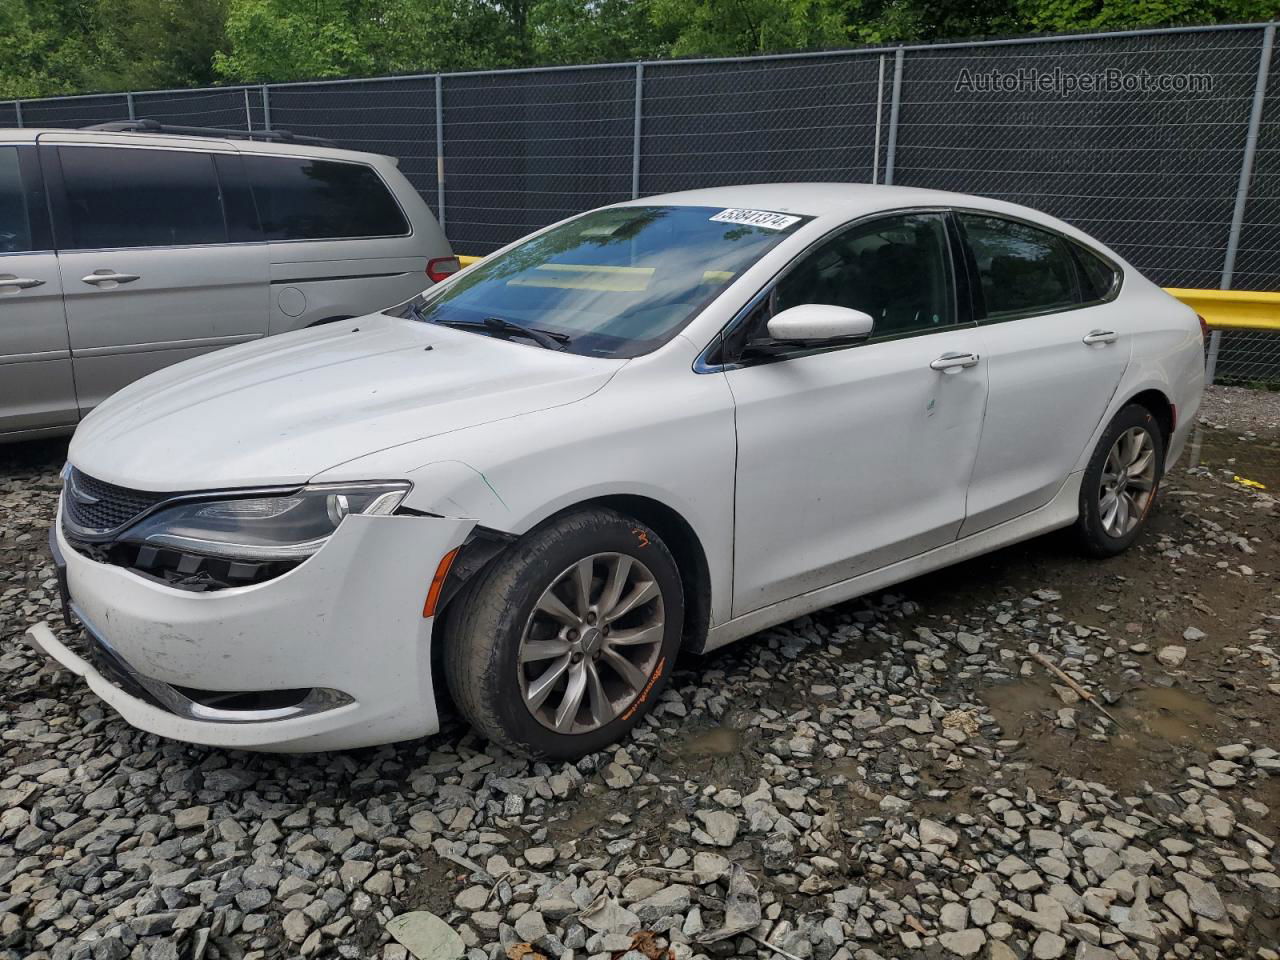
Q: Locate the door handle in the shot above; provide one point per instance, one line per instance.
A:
(108, 278)
(1100, 336)
(955, 362)
(18, 283)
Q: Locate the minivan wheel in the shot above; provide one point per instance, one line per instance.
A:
(564, 643)
(1120, 483)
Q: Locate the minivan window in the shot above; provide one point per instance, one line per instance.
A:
(15, 227)
(1024, 270)
(128, 197)
(322, 200)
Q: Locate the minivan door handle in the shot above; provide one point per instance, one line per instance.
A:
(1100, 336)
(107, 279)
(955, 362)
(11, 284)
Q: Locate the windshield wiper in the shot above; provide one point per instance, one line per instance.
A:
(543, 338)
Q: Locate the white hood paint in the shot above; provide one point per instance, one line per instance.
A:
(279, 411)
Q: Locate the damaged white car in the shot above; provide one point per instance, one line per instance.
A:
(654, 427)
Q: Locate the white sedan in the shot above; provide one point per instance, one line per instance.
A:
(656, 427)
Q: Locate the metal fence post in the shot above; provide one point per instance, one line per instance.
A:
(1246, 160)
(248, 114)
(1211, 362)
(894, 102)
(17, 109)
(1242, 188)
(129, 102)
(875, 156)
(440, 150)
(266, 107)
(635, 141)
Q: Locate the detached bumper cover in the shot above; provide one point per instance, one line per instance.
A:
(349, 619)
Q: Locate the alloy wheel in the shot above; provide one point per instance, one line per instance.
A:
(1128, 482)
(592, 643)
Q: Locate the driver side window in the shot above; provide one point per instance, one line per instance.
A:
(896, 268)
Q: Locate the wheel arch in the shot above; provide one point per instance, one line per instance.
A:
(683, 542)
(1161, 407)
(668, 523)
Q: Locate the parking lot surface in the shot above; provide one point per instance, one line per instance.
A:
(903, 775)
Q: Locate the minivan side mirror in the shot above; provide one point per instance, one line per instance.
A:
(811, 322)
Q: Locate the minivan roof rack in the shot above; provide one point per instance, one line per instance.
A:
(155, 126)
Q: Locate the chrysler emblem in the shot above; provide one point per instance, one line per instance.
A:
(78, 495)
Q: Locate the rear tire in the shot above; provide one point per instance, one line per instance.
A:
(1121, 482)
(564, 643)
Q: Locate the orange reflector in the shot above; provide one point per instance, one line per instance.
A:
(437, 582)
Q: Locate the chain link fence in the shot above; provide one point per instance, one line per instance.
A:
(1182, 180)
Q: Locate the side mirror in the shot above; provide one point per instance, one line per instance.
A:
(819, 321)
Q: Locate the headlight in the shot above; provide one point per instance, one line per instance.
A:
(289, 527)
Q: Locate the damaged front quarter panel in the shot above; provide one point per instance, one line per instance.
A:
(350, 619)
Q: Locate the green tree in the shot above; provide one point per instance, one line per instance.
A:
(1057, 15)
(163, 43)
(73, 46)
(280, 40)
(734, 27)
(603, 31)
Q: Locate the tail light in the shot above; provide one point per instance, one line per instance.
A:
(442, 267)
(1204, 328)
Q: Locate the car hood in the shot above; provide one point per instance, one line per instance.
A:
(281, 410)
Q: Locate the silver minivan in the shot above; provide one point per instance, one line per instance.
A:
(124, 252)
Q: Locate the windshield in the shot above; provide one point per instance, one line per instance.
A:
(611, 283)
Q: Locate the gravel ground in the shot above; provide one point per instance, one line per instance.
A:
(899, 776)
(1240, 409)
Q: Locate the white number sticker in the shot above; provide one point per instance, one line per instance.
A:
(756, 218)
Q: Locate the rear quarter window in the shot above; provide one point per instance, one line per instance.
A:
(301, 199)
(1098, 278)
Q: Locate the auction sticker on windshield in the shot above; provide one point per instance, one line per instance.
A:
(757, 218)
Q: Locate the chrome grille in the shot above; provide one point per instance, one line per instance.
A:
(95, 506)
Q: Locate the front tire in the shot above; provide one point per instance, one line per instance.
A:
(1120, 482)
(565, 642)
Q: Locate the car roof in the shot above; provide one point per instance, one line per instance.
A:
(806, 199)
(151, 139)
(830, 203)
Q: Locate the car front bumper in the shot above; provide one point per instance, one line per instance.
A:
(345, 628)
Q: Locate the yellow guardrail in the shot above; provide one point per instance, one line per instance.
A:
(1221, 309)
(1233, 309)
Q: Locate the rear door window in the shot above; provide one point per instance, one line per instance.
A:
(130, 197)
(300, 199)
(1023, 270)
(15, 226)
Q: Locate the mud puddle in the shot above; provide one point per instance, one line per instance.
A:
(1255, 462)
(1168, 714)
(1158, 727)
(716, 742)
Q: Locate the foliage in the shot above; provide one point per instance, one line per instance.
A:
(729, 27)
(68, 46)
(72, 46)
